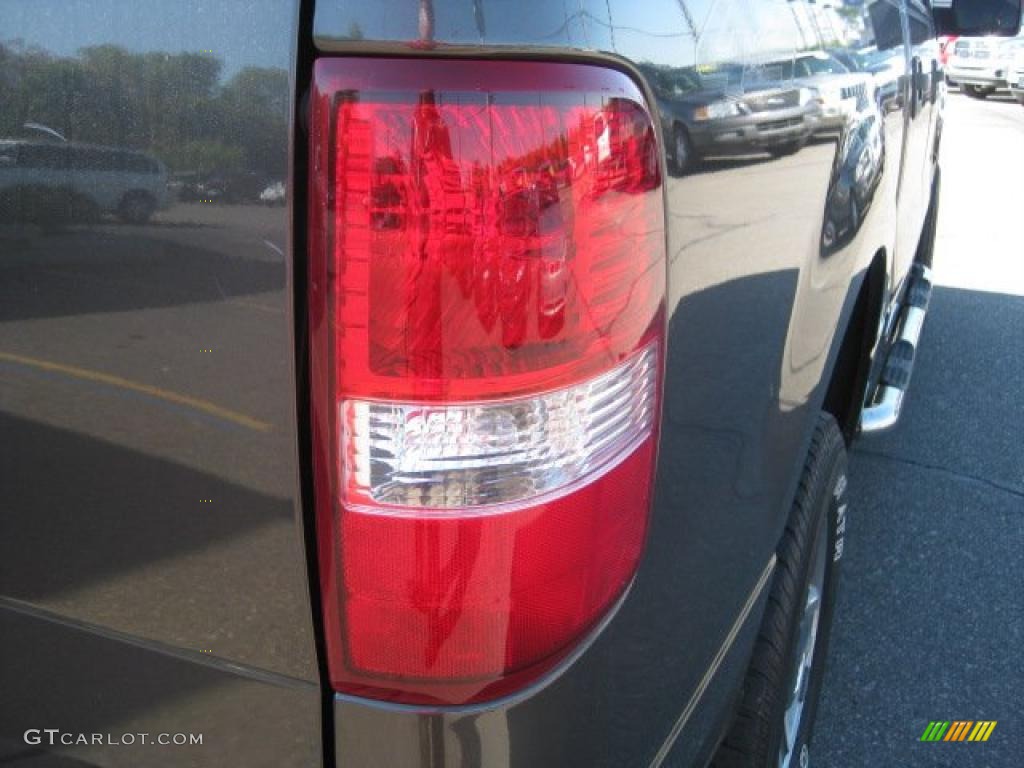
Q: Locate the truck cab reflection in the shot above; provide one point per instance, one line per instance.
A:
(50, 182)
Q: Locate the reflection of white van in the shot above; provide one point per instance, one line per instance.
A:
(71, 177)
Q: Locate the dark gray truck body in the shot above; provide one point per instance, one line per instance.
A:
(155, 551)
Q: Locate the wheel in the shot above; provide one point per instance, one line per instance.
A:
(1020, 98)
(779, 698)
(976, 91)
(136, 208)
(683, 159)
(789, 148)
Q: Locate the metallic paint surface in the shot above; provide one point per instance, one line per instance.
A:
(150, 508)
(766, 259)
(140, 526)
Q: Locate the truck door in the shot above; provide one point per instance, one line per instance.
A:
(926, 92)
(912, 196)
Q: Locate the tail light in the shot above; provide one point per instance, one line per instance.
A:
(487, 321)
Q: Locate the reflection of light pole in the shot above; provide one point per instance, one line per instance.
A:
(829, 11)
(813, 13)
(799, 26)
(44, 129)
(688, 17)
(611, 26)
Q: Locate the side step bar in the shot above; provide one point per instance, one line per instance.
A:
(883, 411)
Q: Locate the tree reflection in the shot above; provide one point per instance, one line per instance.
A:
(176, 106)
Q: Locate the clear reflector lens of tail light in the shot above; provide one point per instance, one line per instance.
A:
(474, 456)
(487, 274)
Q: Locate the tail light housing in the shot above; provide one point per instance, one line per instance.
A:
(487, 279)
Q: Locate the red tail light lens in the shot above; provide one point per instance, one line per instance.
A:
(487, 319)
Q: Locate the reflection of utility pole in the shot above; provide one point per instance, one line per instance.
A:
(478, 17)
(688, 17)
(426, 21)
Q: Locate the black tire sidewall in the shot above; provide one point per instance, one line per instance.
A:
(830, 509)
(755, 735)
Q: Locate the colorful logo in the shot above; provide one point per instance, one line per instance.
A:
(959, 730)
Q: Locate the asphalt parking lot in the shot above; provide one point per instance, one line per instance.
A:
(930, 622)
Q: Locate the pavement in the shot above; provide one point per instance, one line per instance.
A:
(930, 620)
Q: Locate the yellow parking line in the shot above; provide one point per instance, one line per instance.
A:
(147, 389)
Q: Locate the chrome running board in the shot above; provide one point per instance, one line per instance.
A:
(883, 411)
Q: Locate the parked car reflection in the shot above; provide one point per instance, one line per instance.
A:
(853, 185)
(843, 92)
(886, 67)
(50, 181)
(853, 60)
(725, 110)
(227, 187)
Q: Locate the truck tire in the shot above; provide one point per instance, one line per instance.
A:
(779, 698)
